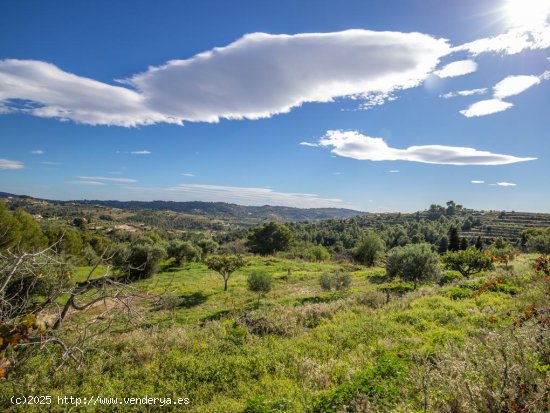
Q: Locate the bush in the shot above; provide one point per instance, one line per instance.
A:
(457, 293)
(139, 260)
(414, 262)
(369, 250)
(467, 262)
(183, 252)
(339, 281)
(259, 282)
(448, 277)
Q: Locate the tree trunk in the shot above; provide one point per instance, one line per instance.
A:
(225, 284)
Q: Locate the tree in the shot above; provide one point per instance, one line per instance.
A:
(454, 239)
(225, 265)
(37, 293)
(467, 262)
(30, 234)
(259, 282)
(479, 243)
(369, 250)
(413, 262)
(9, 228)
(443, 244)
(463, 243)
(183, 251)
(139, 260)
(269, 238)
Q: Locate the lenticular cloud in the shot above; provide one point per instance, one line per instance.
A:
(352, 144)
(257, 76)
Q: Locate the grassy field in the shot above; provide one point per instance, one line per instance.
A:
(305, 350)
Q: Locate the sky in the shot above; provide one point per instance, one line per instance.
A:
(372, 105)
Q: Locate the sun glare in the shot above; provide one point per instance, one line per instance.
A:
(527, 13)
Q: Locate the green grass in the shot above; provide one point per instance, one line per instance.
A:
(317, 350)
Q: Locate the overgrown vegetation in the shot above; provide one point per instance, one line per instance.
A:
(376, 320)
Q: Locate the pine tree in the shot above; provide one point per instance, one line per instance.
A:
(454, 239)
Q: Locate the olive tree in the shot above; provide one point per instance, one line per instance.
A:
(225, 265)
(413, 262)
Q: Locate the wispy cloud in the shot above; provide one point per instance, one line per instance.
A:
(477, 182)
(142, 152)
(252, 196)
(308, 144)
(458, 68)
(352, 144)
(87, 183)
(7, 164)
(107, 179)
(511, 42)
(468, 92)
(187, 174)
(242, 80)
(38, 152)
(503, 184)
(394, 171)
(51, 163)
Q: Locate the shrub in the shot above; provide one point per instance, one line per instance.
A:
(448, 277)
(457, 293)
(467, 262)
(183, 252)
(259, 282)
(414, 262)
(139, 260)
(339, 281)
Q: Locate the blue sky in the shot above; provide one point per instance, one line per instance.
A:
(378, 106)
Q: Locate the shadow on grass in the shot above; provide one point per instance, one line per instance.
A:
(192, 300)
(216, 316)
(378, 279)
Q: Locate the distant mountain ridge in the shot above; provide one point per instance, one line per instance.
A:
(220, 209)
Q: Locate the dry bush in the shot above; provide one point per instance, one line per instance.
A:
(500, 371)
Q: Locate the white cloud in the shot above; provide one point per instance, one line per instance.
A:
(486, 107)
(509, 86)
(503, 184)
(65, 96)
(477, 182)
(107, 179)
(51, 163)
(7, 164)
(514, 85)
(352, 144)
(394, 171)
(468, 92)
(38, 152)
(252, 196)
(257, 76)
(512, 42)
(90, 183)
(188, 174)
(458, 68)
(140, 152)
(308, 144)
